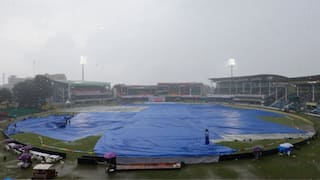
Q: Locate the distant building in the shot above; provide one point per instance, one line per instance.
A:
(57, 77)
(13, 80)
(181, 89)
(80, 91)
(267, 88)
(160, 92)
(134, 92)
(122, 90)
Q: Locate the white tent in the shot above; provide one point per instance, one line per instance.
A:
(286, 145)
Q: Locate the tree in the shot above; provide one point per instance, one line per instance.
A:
(43, 88)
(25, 94)
(33, 93)
(5, 95)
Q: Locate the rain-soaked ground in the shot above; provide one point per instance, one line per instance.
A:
(70, 170)
(166, 130)
(305, 164)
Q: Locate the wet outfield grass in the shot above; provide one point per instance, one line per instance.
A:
(304, 165)
(85, 144)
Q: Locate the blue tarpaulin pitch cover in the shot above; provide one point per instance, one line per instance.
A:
(162, 130)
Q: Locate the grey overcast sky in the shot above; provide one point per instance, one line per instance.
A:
(150, 41)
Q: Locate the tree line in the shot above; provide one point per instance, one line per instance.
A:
(29, 93)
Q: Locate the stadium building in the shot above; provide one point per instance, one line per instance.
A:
(134, 92)
(160, 92)
(81, 92)
(268, 89)
(181, 91)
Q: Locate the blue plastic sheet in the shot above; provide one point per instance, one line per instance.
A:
(159, 130)
(179, 130)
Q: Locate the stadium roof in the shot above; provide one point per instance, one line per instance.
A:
(159, 84)
(138, 86)
(314, 78)
(257, 77)
(183, 83)
(86, 83)
(271, 77)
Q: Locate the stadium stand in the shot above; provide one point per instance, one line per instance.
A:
(160, 92)
(270, 90)
(81, 91)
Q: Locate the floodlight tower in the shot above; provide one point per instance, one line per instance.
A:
(83, 61)
(231, 64)
(34, 68)
(3, 78)
(313, 89)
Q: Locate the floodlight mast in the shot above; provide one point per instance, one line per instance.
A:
(313, 89)
(83, 61)
(231, 64)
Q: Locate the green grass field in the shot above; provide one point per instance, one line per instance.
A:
(304, 165)
(288, 120)
(267, 144)
(292, 121)
(85, 144)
